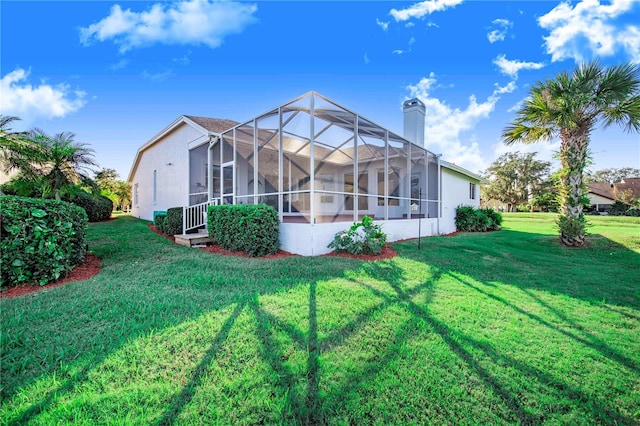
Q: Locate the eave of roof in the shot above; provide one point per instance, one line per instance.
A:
(205, 125)
(463, 171)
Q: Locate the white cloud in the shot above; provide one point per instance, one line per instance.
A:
(513, 67)
(366, 58)
(589, 29)
(409, 25)
(119, 65)
(420, 10)
(157, 77)
(43, 101)
(383, 25)
(499, 33)
(190, 22)
(444, 124)
(398, 52)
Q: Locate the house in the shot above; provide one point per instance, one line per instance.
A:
(603, 194)
(320, 165)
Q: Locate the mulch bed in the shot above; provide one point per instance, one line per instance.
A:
(82, 272)
(387, 252)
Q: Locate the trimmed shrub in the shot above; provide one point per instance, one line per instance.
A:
(253, 229)
(160, 221)
(41, 240)
(361, 238)
(494, 217)
(470, 219)
(173, 225)
(98, 207)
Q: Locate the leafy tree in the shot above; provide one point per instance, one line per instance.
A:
(122, 191)
(569, 106)
(514, 178)
(106, 179)
(613, 175)
(111, 187)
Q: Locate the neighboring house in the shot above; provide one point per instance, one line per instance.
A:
(320, 165)
(603, 194)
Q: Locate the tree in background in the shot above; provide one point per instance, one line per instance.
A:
(118, 191)
(570, 106)
(613, 175)
(17, 153)
(516, 178)
(62, 163)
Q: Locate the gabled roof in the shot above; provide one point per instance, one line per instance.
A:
(215, 125)
(205, 125)
(603, 189)
(632, 184)
(610, 191)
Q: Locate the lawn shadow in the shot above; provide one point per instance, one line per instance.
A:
(128, 311)
(188, 391)
(452, 338)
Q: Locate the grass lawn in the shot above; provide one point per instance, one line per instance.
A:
(496, 328)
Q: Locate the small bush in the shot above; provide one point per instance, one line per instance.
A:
(173, 224)
(470, 219)
(98, 207)
(495, 218)
(41, 240)
(361, 238)
(253, 229)
(160, 221)
(572, 230)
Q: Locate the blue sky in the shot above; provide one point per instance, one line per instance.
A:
(117, 73)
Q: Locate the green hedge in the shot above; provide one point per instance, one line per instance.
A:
(41, 240)
(471, 219)
(98, 207)
(253, 229)
(174, 221)
(160, 221)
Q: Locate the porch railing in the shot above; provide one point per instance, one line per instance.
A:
(196, 216)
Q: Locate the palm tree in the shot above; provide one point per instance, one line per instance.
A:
(62, 162)
(570, 107)
(17, 153)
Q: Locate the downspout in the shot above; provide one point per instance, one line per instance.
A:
(439, 193)
(212, 141)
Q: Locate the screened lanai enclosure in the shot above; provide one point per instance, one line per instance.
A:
(317, 162)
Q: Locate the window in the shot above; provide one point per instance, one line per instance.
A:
(393, 189)
(472, 191)
(363, 188)
(135, 194)
(155, 186)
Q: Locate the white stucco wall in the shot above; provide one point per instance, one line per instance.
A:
(598, 199)
(455, 192)
(317, 237)
(170, 158)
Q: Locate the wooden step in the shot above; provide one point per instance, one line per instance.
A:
(190, 240)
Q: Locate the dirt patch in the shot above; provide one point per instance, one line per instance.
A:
(162, 234)
(387, 253)
(217, 249)
(82, 272)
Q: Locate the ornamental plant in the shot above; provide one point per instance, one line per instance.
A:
(362, 238)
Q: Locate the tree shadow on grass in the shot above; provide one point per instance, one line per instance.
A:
(98, 317)
(188, 391)
(453, 338)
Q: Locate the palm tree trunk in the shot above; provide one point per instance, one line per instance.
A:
(573, 157)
